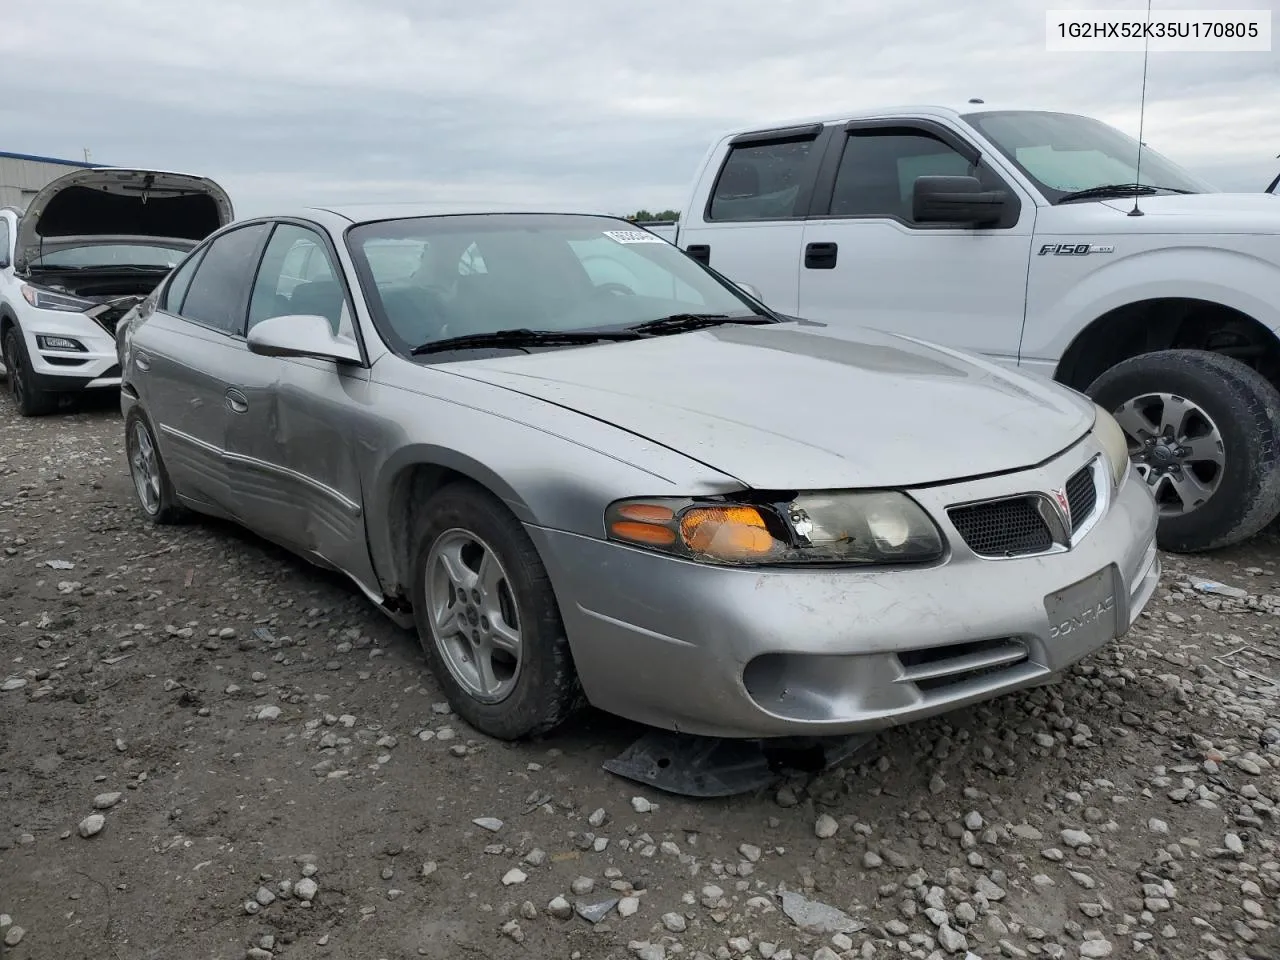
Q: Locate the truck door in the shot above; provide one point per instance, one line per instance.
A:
(866, 261)
(751, 222)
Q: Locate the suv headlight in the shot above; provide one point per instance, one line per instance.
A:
(825, 527)
(1115, 445)
(43, 299)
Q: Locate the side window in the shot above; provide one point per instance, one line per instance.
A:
(179, 283)
(6, 255)
(878, 171)
(471, 261)
(314, 289)
(608, 263)
(217, 292)
(762, 181)
(398, 261)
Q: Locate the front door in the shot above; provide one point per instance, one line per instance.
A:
(293, 432)
(866, 261)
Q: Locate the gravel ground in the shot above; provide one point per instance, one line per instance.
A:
(210, 749)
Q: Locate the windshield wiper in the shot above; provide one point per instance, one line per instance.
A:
(681, 322)
(1107, 190)
(521, 337)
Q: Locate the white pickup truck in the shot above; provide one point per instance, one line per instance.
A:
(1022, 235)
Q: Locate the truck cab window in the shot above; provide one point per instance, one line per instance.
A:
(878, 171)
(761, 181)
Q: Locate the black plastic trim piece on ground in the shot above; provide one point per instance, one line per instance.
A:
(692, 766)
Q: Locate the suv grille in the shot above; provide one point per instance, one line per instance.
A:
(1081, 496)
(1003, 528)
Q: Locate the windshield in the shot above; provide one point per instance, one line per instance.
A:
(432, 278)
(1063, 153)
(112, 255)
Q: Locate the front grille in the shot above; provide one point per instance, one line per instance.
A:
(1002, 528)
(1082, 496)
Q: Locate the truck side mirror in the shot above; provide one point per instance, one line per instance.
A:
(959, 200)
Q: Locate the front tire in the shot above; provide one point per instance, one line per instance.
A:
(487, 617)
(151, 485)
(1204, 432)
(29, 399)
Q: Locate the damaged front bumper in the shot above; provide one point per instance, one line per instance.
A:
(758, 653)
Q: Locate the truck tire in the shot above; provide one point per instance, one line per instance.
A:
(1204, 432)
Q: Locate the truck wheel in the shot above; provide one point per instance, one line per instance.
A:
(1204, 432)
(30, 401)
(488, 619)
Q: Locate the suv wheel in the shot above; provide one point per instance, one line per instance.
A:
(30, 401)
(487, 617)
(1204, 432)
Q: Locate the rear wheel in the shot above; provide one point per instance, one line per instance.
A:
(29, 399)
(488, 619)
(151, 486)
(1204, 433)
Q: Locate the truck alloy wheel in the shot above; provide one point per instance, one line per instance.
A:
(1204, 433)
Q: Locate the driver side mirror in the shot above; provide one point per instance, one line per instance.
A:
(749, 290)
(301, 335)
(959, 200)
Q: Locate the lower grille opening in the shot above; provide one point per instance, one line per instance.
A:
(933, 668)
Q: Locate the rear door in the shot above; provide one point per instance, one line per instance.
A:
(752, 226)
(867, 261)
(189, 349)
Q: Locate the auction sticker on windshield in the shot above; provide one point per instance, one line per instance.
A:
(633, 236)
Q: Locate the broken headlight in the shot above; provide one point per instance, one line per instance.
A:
(829, 527)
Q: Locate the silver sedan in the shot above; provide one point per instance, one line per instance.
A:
(585, 467)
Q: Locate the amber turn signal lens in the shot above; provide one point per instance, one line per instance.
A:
(727, 533)
(647, 512)
(647, 533)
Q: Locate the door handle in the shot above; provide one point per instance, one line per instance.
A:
(143, 361)
(700, 252)
(820, 256)
(237, 402)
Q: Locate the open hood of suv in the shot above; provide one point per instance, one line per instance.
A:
(115, 202)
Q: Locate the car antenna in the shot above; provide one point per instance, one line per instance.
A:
(1142, 113)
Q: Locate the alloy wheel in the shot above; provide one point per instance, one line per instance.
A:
(13, 365)
(475, 620)
(1176, 448)
(145, 468)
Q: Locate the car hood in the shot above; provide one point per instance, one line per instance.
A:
(800, 405)
(1212, 212)
(115, 202)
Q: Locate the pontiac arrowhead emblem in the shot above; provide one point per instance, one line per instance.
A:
(1064, 505)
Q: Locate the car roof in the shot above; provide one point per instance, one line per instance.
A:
(948, 111)
(342, 215)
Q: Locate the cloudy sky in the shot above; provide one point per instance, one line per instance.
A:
(608, 104)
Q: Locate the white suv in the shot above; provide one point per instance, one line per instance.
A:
(89, 246)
